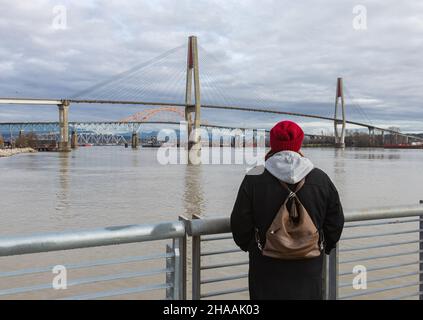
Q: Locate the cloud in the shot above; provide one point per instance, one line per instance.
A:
(282, 54)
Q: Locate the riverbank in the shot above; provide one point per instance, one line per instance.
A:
(11, 152)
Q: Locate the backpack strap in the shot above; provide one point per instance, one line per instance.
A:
(292, 193)
(299, 186)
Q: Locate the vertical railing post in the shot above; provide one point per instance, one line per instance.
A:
(183, 250)
(325, 281)
(177, 280)
(196, 265)
(331, 291)
(175, 263)
(170, 275)
(421, 257)
(196, 268)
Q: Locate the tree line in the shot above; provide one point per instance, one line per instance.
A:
(24, 140)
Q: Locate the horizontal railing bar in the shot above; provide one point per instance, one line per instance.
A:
(383, 234)
(380, 245)
(207, 226)
(234, 277)
(399, 286)
(392, 266)
(371, 224)
(380, 256)
(418, 293)
(210, 253)
(223, 265)
(83, 281)
(106, 294)
(98, 263)
(223, 292)
(384, 213)
(90, 238)
(216, 238)
(395, 276)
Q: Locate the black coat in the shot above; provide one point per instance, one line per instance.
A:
(259, 198)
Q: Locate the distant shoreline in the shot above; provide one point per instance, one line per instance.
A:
(12, 152)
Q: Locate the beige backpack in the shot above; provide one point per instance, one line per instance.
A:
(292, 234)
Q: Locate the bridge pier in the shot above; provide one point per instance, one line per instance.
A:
(64, 145)
(339, 136)
(74, 140)
(371, 136)
(134, 140)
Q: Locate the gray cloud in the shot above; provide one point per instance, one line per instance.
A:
(282, 53)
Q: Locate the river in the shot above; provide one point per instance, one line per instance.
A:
(109, 186)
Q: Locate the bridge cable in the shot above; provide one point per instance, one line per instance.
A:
(127, 73)
(144, 80)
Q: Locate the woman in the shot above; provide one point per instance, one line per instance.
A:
(259, 199)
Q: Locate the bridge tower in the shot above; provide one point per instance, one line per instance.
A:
(193, 76)
(339, 136)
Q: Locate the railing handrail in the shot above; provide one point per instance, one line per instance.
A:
(384, 213)
(207, 226)
(16, 245)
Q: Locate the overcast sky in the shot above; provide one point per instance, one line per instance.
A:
(286, 54)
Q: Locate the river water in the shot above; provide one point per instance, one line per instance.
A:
(109, 186)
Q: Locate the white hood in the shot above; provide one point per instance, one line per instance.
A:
(289, 166)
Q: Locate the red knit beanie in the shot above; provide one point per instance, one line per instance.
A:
(286, 135)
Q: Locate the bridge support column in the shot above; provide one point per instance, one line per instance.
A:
(134, 140)
(194, 143)
(339, 136)
(371, 136)
(382, 133)
(64, 145)
(74, 140)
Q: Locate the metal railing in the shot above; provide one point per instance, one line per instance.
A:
(355, 253)
(391, 248)
(386, 243)
(174, 257)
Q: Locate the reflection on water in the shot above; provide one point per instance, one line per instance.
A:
(193, 192)
(62, 195)
(339, 173)
(376, 156)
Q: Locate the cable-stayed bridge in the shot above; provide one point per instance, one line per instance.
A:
(165, 84)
